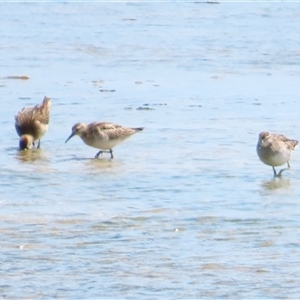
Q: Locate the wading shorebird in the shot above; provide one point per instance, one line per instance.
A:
(103, 135)
(275, 150)
(32, 123)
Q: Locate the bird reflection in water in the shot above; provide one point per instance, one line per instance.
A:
(29, 155)
(103, 166)
(276, 183)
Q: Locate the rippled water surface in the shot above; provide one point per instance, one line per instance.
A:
(186, 209)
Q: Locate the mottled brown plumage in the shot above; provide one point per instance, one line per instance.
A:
(31, 123)
(275, 149)
(102, 135)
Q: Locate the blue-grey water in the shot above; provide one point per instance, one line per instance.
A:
(185, 210)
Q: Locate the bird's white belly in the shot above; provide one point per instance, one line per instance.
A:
(42, 130)
(103, 144)
(276, 159)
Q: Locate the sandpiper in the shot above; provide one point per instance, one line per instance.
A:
(103, 135)
(275, 150)
(31, 124)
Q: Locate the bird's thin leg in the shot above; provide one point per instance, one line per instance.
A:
(98, 153)
(39, 144)
(279, 174)
(275, 174)
(111, 153)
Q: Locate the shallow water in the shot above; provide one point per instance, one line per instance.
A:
(186, 209)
